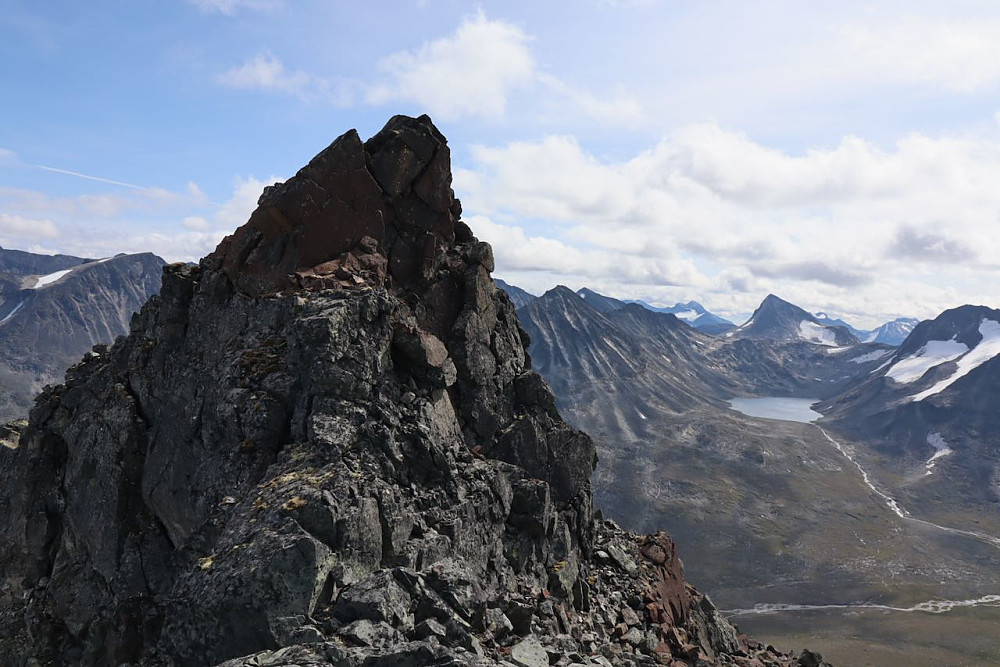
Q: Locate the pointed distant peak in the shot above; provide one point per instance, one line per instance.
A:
(773, 299)
(560, 291)
(777, 319)
(775, 304)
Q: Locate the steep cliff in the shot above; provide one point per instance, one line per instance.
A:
(325, 445)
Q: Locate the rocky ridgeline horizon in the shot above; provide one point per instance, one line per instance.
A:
(325, 445)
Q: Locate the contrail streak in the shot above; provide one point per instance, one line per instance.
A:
(90, 178)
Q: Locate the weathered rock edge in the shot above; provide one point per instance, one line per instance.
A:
(325, 445)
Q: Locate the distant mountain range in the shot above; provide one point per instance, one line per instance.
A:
(770, 510)
(890, 333)
(695, 314)
(654, 393)
(692, 312)
(54, 308)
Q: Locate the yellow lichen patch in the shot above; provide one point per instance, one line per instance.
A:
(294, 504)
(205, 563)
(559, 565)
(312, 476)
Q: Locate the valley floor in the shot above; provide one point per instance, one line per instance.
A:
(877, 638)
(789, 517)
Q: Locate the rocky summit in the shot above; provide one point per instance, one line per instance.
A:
(325, 445)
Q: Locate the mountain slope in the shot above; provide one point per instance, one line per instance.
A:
(932, 408)
(324, 445)
(601, 303)
(53, 309)
(518, 296)
(771, 511)
(21, 263)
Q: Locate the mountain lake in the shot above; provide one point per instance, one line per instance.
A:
(776, 407)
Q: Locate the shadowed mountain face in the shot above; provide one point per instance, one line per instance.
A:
(55, 308)
(325, 445)
(631, 362)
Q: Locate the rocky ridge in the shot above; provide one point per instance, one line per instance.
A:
(325, 445)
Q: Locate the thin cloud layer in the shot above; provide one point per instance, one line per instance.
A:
(231, 7)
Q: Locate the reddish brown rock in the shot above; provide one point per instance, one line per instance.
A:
(358, 213)
(670, 596)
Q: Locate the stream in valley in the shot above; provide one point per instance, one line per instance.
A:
(800, 410)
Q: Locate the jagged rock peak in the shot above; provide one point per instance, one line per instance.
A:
(380, 212)
(325, 445)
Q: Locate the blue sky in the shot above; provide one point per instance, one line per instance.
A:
(844, 157)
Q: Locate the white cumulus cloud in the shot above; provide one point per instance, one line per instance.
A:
(19, 227)
(471, 72)
(710, 213)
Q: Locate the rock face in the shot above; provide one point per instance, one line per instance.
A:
(325, 445)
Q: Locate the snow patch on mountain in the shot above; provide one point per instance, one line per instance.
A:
(817, 333)
(941, 449)
(46, 280)
(871, 356)
(50, 278)
(11, 313)
(933, 353)
(985, 350)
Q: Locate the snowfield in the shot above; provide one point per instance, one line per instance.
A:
(51, 278)
(985, 350)
(941, 449)
(12, 312)
(871, 356)
(817, 333)
(934, 353)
